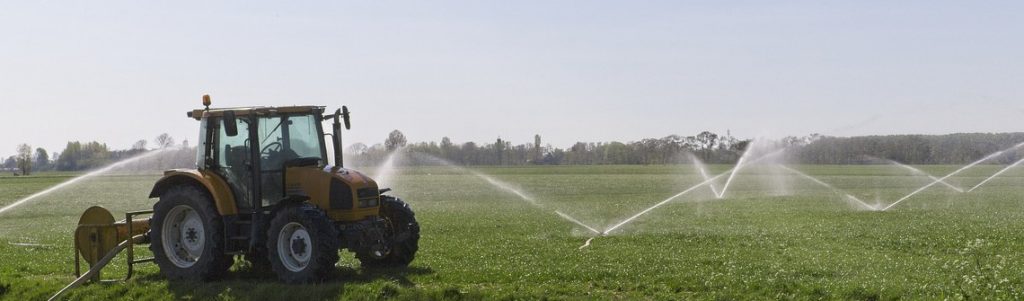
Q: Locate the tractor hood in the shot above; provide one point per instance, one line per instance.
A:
(345, 194)
(351, 176)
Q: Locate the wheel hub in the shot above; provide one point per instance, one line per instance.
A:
(183, 236)
(294, 247)
(298, 246)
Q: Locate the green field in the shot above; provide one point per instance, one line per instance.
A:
(773, 236)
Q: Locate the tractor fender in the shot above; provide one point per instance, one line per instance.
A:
(207, 181)
(288, 201)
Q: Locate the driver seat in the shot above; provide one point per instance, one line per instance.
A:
(235, 172)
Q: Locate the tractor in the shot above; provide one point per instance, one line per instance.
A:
(263, 191)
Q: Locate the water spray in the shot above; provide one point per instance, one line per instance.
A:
(80, 178)
(507, 188)
(986, 158)
(739, 165)
(684, 192)
(829, 186)
(920, 172)
(387, 169)
(699, 165)
(645, 211)
(996, 174)
(581, 224)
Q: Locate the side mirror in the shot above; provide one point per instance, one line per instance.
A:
(344, 114)
(230, 124)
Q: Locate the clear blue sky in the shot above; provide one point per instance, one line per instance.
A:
(572, 71)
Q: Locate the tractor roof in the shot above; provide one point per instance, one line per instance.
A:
(242, 111)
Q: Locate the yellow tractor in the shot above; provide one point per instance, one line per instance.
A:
(263, 190)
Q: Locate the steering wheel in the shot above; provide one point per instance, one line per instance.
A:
(273, 147)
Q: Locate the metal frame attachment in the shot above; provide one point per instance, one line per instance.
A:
(97, 232)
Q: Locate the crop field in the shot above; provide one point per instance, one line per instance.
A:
(773, 235)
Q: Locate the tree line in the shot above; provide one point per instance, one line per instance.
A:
(962, 148)
(78, 156)
(710, 147)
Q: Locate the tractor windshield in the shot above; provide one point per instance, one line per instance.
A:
(287, 137)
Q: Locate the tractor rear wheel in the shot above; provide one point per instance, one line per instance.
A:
(303, 244)
(187, 237)
(403, 233)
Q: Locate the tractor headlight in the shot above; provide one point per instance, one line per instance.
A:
(367, 202)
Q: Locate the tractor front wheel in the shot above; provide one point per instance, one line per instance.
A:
(303, 244)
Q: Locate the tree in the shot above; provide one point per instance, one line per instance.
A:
(468, 153)
(499, 151)
(356, 149)
(395, 141)
(42, 159)
(554, 157)
(79, 156)
(164, 141)
(11, 162)
(707, 140)
(139, 145)
(447, 148)
(24, 158)
(741, 145)
(537, 153)
(68, 159)
(617, 153)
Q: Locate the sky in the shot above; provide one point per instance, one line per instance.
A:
(121, 71)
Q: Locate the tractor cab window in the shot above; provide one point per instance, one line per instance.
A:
(232, 159)
(282, 140)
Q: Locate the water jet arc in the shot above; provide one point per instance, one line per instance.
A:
(829, 186)
(986, 158)
(739, 165)
(684, 192)
(575, 221)
(79, 178)
(699, 165)
(507, 188)
(1000, 172)
(921, 172)
(386, 169)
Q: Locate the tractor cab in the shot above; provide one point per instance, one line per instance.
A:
(245, 144)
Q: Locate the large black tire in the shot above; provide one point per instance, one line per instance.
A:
(202, 234)
(402, 231)
(318, 246)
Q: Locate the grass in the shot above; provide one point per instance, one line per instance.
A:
(774, 236)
